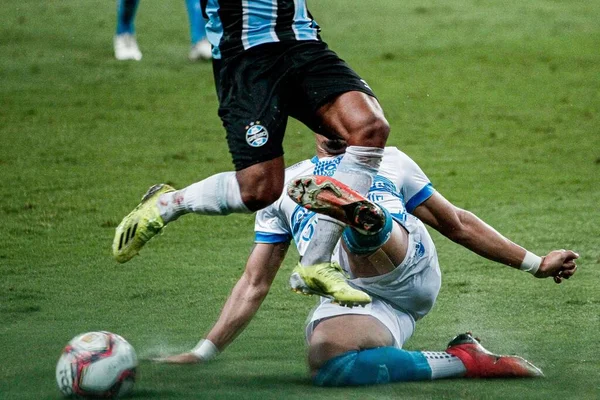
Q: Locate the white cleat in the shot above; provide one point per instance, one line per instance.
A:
(126, 47)
(202, 50)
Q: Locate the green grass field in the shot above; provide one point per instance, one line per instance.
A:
(498, 101)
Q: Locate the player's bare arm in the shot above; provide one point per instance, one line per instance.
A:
(243, 302)
(466, 229)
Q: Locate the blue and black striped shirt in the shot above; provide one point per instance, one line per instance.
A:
(237, 25)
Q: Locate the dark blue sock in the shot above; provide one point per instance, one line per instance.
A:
(126, 10)
(374, 366)
(359, 243)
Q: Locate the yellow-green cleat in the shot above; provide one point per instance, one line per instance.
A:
(327, 280)
(141, 225)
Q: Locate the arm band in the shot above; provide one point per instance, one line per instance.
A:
(531, 263)
(205, 350)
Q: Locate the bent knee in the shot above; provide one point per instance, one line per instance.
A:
(261, 184)
(323, 348)
(372, 131)
(261, 197)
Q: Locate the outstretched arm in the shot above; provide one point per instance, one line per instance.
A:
(243, 302)
(466, 229)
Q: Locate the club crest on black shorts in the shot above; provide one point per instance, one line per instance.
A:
(256, 135)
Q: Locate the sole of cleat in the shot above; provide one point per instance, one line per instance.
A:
(328, 196)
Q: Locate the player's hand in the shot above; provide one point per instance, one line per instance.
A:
(183, 358)
(559, 264)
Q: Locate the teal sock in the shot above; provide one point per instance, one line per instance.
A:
(126, 10)
(374, 366)
(359, 243)
(197, 31)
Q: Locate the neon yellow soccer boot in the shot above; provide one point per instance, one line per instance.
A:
(327, 280)
(141, 225)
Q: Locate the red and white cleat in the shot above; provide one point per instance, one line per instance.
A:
(325, 195)
(480, 363)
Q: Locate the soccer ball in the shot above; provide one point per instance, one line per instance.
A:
(96, 364)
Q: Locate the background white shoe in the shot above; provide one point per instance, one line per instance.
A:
(126, 47)
(202, 50)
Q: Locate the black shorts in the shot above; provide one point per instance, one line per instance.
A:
(260, 88)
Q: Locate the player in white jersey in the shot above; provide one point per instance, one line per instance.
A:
(397, 266)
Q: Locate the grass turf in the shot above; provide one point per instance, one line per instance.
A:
(498, 102)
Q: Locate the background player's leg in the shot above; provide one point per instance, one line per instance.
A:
(201, 49)
(357, 118)
(196, 20)
(126, 10)
(125, 44)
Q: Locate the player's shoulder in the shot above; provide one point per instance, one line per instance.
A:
(393, 154)
(393, 151)
(401, 168)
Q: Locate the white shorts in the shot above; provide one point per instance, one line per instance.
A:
(400, 324)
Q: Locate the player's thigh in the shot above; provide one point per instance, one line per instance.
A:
(333, 100)
(340, 334)
(251, 108)
(357, 118)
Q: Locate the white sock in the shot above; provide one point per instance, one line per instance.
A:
(357, 170)
(216, 195)
(359, 167)
(444, 365)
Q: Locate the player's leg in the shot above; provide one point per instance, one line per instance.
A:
(363, 347)
(201, 49)
(243, 191)
(357, 118)
(411, 283)
(125, 44)
(369, 228)
(348, 351)
(325, 86)
(336, 102)
(126, 10)
(351, 350)
(378, 254)
(254, 134)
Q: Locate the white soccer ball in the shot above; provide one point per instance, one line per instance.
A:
(96, 364)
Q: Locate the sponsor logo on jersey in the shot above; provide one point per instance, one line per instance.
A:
(256, 134)
(326, 167)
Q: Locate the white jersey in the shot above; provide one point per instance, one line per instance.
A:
(400, 186)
